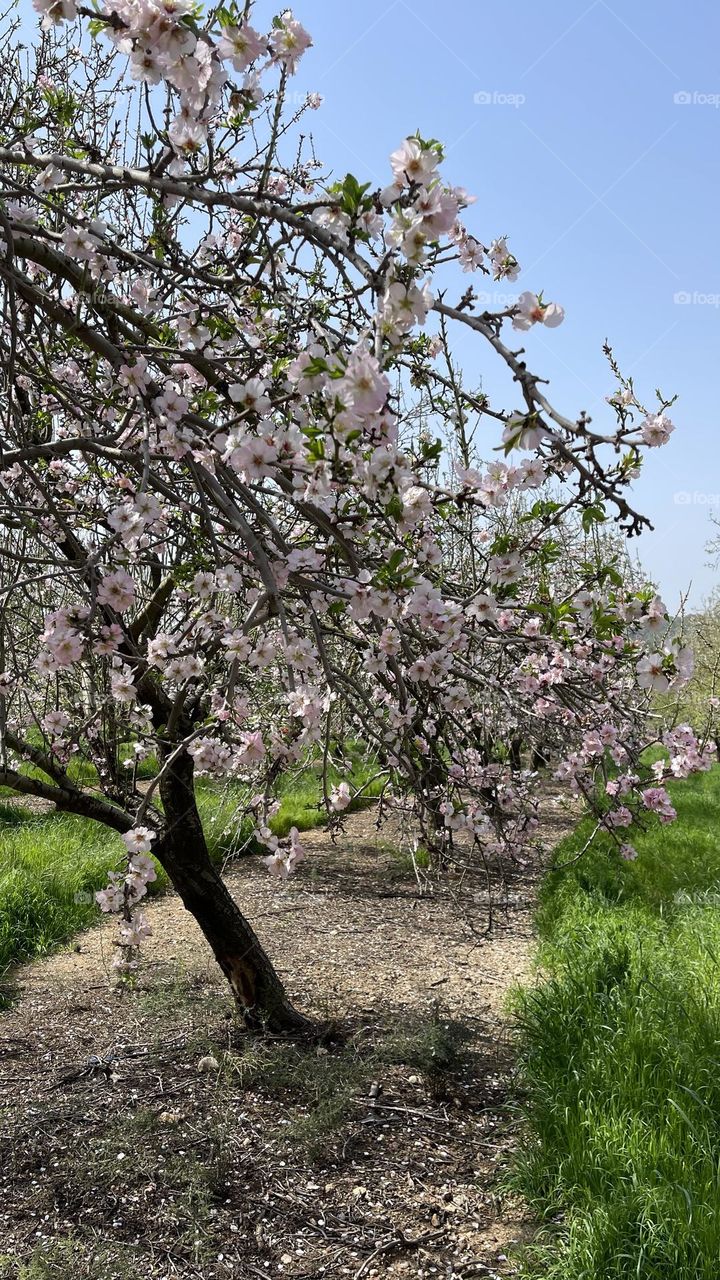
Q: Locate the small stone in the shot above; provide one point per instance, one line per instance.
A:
(208, 1063)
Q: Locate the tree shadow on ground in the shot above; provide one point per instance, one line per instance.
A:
(272, 1150)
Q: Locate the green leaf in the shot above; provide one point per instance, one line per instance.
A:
(351, 195)
(592, 515)
(431, 452)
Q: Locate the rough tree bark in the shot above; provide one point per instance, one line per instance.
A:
(182, 850)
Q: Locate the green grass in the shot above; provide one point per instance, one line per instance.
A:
(52, 864)
(299, 794)
(619, 1051)
(61, 1259)
(50, 868)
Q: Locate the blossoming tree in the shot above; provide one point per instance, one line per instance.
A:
(243, 504)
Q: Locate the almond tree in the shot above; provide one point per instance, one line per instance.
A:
(234, 530)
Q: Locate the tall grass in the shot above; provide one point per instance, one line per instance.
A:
(50, 868)
(52, 864)
(620, 1055)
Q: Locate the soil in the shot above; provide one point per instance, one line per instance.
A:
(144, 1134)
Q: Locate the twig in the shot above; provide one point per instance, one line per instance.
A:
(399, 1241)
(409, 1111)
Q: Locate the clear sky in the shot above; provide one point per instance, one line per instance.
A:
(606, 184)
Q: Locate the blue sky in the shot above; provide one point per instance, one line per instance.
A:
(606, 185)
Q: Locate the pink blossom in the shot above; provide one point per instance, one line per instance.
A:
(131, 933)
(340, 797)
(138, 840)
(651, 673)
(289, 42)
(530, 310)
(241, 45)
(134, 376)
(55, 11)
(413, 163)
(621, 817)
(117, 589)
(250, 396)
(253, 749)
(658, 800)
(656, 430)
(522, 432)
(55, 723)
(365, 387)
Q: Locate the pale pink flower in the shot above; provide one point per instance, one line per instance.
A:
(55, 11)
(134, 376)
(656, 430)
(138, 839)
(241, 45)
(117, 589)
(530, 311)
(50, 177)
(658, 800)
(131, 933)
(340, 797)
(413, 163)
(289, 42)
(55, 723)
(250, 396)
(651, 673)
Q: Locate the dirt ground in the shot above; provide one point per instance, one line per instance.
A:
(143, 1134)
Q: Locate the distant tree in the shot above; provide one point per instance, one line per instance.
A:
(698, 701)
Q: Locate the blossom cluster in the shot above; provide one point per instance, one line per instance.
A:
(124, 891)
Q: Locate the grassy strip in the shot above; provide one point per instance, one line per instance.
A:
(52, 864)
(620, 1055)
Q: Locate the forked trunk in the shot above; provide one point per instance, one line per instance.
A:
(259, 994)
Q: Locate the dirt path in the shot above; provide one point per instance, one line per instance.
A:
(377, 1159)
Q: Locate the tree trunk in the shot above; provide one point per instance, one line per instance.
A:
(182, 851)
(515, 753)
